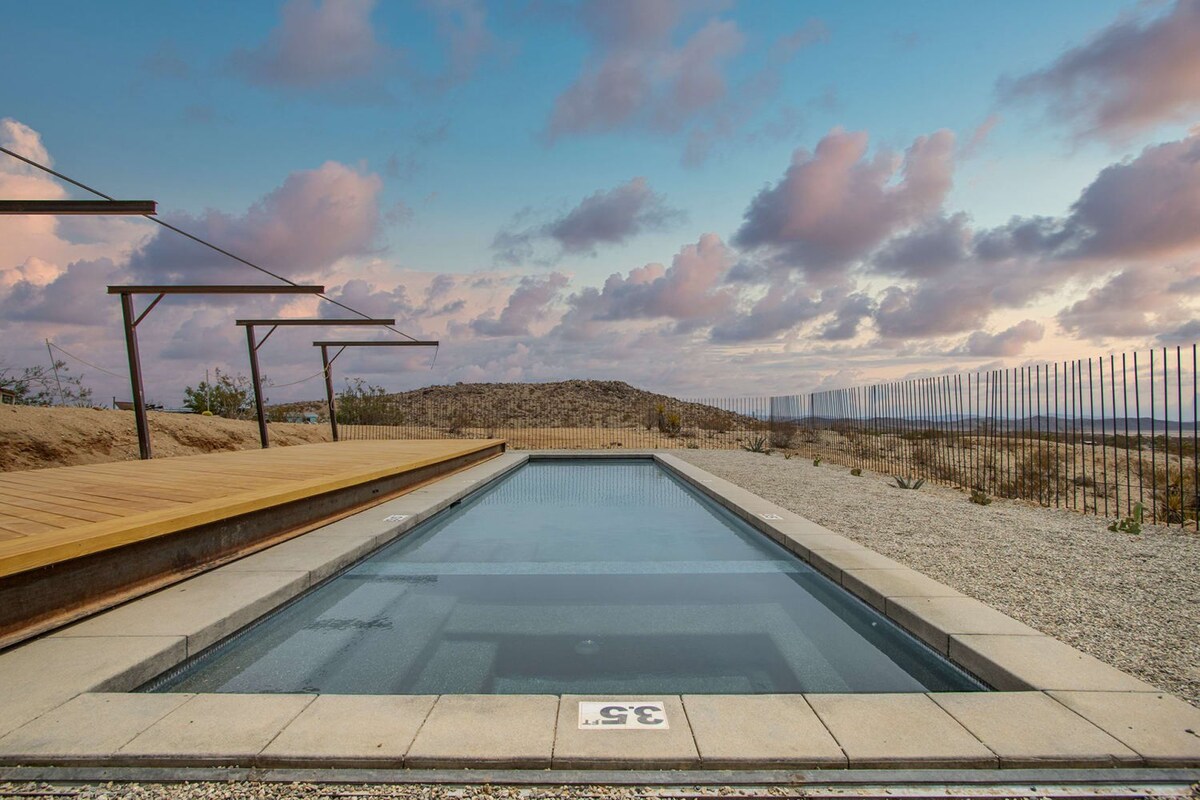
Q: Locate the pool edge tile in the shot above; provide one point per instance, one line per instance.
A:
(1038, 662)
(779, 731)
(1161, 728)
(1005, 722)
(880, 731)
(674, 748)
(475, 731)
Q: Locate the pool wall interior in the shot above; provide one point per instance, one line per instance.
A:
(574, 576)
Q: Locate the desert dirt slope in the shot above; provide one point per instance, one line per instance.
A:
(34, 438)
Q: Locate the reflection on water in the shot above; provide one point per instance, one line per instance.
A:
(602, 577)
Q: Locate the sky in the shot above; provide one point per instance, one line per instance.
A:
(705, 198)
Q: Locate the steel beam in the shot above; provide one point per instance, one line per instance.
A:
(218, 288)
(137, 208)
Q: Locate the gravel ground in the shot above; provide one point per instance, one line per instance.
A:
(1132, 601)
(277, 791)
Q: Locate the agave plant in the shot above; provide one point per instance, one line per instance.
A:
(908, 483)
(757, 445)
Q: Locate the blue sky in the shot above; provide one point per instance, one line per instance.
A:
(452, 113)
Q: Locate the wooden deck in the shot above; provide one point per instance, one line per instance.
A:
(75, 539)
(48, 515)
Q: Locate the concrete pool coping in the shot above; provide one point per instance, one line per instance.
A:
(66, 699)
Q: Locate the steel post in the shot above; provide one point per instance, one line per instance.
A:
(256, 379)
(329, 392)
(135, 377)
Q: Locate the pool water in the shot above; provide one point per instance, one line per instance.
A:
(575, 577)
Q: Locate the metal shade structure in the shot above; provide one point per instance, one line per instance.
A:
(253, 345)
(327, 363)
(137, 208)
(132, 320)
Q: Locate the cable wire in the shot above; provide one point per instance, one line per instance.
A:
(293, 383)
(198, 240)
(87, 363)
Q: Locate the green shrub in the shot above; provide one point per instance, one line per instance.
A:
(856, 472)
(225, 396)
(361, 403)
(979, 497)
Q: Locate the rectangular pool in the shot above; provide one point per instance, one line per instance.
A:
(574, 577)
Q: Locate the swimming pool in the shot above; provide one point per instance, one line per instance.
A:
(574, 577)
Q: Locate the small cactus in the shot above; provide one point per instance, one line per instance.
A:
(1131, 524)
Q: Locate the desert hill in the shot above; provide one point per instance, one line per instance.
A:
(35, 437)
(574, 403)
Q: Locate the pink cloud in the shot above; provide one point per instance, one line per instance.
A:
(835, 205)
(1139, 301)
(300, 230)
(689, 292)
(637, 76)
(606, 217)
(1149, 206)
(528, 304)
(1138, 72)
(1009, 342)
(317, 44)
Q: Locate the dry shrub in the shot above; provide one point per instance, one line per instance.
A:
(1175, 495)
(782, 434)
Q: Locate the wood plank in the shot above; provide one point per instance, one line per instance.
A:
(71, 499)
(11, 503)
(113, 491)
(228, 484)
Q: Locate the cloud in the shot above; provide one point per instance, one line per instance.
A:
(689, 292)
(784, 306)
(637, 76)
(728, 118)
(74, 297)
(462, 25)
(603, 218)
(1147, 206)
(299, 230)
(835, 205)
(1138, 301)
(851, 313)
(37, 248)
(979, 136)
(927, 251)
(1135, 218)
(1009, 342)
(1136, 73)
(318, 44)
(527, 304)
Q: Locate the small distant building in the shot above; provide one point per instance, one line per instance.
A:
(302, 417)
(7, 397)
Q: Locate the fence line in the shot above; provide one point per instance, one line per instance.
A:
(1062, 434)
